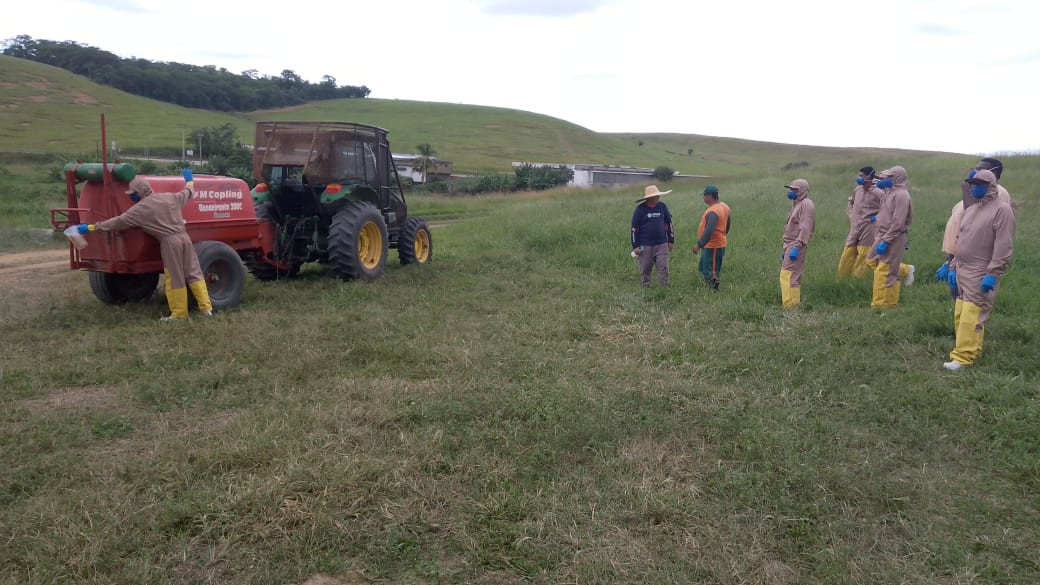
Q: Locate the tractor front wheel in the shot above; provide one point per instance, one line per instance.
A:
(224, 273)
(115, 289)
(415, 245)
(358, 242)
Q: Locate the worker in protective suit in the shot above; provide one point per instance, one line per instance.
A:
(949, 243)
(985, 243)
(864, 204)
(799, 229)
(159, 215)
(886, 257)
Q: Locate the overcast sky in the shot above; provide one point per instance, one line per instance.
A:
(952, 75)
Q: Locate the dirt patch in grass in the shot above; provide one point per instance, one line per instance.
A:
(77, 398)
(351, 578)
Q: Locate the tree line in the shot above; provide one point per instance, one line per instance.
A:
(192, 86)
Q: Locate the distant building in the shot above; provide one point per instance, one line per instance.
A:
(593, 175)
(405, 164)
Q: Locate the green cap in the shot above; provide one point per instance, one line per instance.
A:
(711, 190)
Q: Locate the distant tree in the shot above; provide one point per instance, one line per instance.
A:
(191, 86)
(689, 152)
(663, 173)
(537, 178)
(425, 162)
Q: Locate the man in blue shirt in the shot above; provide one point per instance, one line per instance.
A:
(652, 235)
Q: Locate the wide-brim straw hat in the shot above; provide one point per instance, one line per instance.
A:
(651, 191)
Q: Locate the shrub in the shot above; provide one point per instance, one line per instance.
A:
(663, 173)
(534, 178)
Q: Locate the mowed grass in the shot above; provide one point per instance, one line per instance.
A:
(520, 410)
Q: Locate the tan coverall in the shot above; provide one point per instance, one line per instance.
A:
(864, 202)
(799, 229)
(159, 215)
(985, 243)
(893, 221)
(949, 243)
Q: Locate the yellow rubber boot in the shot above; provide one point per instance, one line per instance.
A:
(201, 294)
(904, 269)
(847, 262)
(168, 289)
(958, 307)
(877, 292)
(892, 294)
(859, 268)
(177, 299)
(790, 297)
(968, 346)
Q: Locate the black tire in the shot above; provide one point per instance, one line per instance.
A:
(415, 244)
(357, 242)
(260, 269)
(224, 273)
(116, 289)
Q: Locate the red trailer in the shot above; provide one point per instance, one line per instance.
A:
(125, 266)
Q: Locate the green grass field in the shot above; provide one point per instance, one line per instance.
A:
(521, 411)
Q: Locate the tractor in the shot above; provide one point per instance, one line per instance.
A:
(329, 193)
(332, 192)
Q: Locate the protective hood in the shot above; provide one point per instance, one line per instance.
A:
(898, 176)
(800, 186)
(140, 186)
(986, 178)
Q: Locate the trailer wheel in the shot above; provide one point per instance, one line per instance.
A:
(224, 273)
(116, 289)
(358, 242)
(414, 245)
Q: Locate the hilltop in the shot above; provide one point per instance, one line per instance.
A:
(49, 110)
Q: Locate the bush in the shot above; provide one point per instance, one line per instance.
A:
(663, 173)
(535, 178)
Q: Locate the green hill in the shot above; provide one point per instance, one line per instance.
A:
(49, 110)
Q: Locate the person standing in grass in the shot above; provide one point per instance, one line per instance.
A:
(712, 237)
(652, 235)
(801, 222)
(159, 215)
(890, 238)
(864, 204)
(949, 243)
(985, 243)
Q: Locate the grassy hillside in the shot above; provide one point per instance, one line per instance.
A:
(520, 411)
(50, 110)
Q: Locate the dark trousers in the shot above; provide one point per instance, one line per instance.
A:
(711, 265)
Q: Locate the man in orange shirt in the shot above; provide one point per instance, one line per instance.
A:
(711, 236)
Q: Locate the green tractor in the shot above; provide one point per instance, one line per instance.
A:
(332, 193)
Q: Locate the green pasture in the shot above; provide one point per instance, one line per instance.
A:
(521, 411)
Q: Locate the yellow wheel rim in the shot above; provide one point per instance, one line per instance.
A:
(422, 246)
(370, 245)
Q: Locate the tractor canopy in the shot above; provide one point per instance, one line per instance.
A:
(319, 153)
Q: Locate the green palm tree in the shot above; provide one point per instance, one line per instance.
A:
(425, 162)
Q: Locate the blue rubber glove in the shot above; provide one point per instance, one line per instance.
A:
(85, 228)
(942, 272)
(873, 217)
(793, 255)
(186, 173)
(882, 247)
(988, 282)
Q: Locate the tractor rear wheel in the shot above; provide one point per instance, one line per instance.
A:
(358, 242)
(224, 273)
(414, 245)
(114, 289)
(260, 269)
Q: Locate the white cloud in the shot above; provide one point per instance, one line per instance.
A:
(804, 71)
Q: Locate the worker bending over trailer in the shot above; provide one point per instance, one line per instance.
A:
(159, 215)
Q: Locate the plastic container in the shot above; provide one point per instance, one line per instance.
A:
(77, 239)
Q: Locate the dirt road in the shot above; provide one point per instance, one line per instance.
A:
(17, 263)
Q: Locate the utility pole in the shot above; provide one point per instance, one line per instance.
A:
(182, 144)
